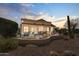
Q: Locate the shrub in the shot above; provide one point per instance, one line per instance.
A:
(8, 28)
(63, 31)
(8, 44)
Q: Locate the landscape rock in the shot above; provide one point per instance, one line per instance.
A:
(69, 53)
(53, 53)
(4, 54)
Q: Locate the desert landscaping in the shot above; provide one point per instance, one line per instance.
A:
(33, 30)
(57, 47)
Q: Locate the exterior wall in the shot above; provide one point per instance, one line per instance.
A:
(36, 28)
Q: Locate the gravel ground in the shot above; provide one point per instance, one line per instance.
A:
(58, 47)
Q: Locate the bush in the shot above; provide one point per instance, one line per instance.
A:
(8, 28)
(8, 44)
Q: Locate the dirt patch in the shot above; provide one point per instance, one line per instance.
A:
(60, 47)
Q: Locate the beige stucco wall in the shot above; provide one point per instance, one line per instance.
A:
(36, 28)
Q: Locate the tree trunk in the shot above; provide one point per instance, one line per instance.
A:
(69, 27)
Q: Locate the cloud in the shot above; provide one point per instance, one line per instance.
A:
(45, 16)
(5, 10)
(21, 8)
(8, 13)
(29, 17)
(27, 4)
(40, 15)
(27, 10)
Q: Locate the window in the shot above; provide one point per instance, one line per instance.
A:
(25, 28)
(32, 29)
(40, 28)
(47, 28)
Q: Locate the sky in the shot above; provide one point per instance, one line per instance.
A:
(47, 11)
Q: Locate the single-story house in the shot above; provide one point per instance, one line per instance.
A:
(36, 26)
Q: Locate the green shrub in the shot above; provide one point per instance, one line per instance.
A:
(8, 44)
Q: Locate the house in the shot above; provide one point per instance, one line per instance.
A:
(36, 26)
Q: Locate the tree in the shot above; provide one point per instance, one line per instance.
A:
(71, 27)
(8, 28)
